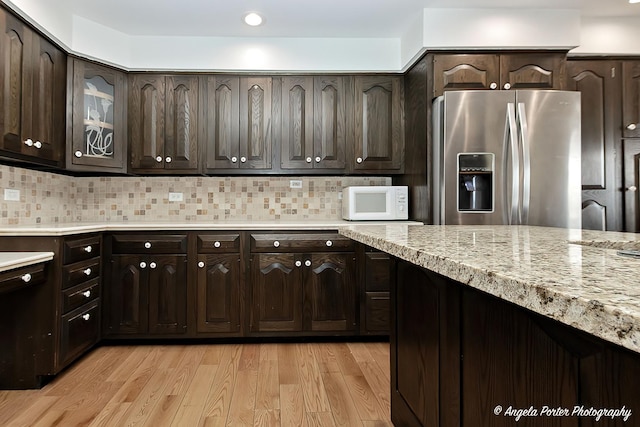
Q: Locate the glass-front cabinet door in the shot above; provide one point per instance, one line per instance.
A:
(97, 138)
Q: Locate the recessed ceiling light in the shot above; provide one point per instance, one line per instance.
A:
(252, 19)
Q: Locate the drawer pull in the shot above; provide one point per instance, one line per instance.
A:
(26, 278)
(87, 294)
(276, 244)
(152, 265)
(143, 264)
(307, 263)
(201, 264)
(86, 316)
(216, 244)
(87, 272)
(88, 249)
(298, 263)
(147, 245)
(329, 243)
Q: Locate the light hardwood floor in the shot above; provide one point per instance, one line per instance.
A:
(281, 384)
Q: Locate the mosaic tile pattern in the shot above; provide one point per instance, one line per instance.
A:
(52, 198)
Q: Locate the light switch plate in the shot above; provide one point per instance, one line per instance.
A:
(12, 194)
(295, 183)
(176, 197)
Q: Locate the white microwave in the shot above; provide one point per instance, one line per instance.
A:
(381, 203)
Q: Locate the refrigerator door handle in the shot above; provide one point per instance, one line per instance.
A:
(511, 144)
(526, 163)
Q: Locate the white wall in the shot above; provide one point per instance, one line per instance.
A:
(609, 36)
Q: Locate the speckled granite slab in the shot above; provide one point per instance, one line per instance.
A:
(573, 276)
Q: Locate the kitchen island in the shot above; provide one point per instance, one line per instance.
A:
(489, 322)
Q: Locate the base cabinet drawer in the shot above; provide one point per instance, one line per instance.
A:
(80, 330)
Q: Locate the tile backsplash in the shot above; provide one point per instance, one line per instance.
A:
(50, 198)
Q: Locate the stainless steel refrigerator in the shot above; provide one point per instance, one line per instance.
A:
(507, 157)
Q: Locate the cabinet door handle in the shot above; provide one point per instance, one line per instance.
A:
(28, 142)
(87, 272)
(159, 159)
(318, 159)
(152, 265)
(276, 244)
(359, 160)
(243, 159)
(26, 278)
(632, 126)
(201, 264)
(37, 144)
(632, 188)
(78, 154)
(86, 316)
(168, 159)
(234, 159)
(307, 263)
(87, 294)
(329, 243)
(216, 244)
(143, 264)
(308, 159)
(298, 263)
(88, 249)
(493, 86)
(507, 86)
(147, 245)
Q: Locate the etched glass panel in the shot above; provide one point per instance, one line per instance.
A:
(98, 117)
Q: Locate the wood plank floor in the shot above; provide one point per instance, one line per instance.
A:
(280, 384)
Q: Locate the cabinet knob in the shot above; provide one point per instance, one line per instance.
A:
(359, 160)
(147, 245)
(329, 243)
(88, 249)
(243, 159)
(308, 159)
(493, 86)
(168, 159)
(632, 188)
(87, 294)
(159, 159)
(28, 142)
(216, 244)
(234, 159)
(307, 263)
(37, 144)
(86, 316)
(143, 264)
(87, 272)
(276, 244)
(318, 159)
(507, 86)
(26, 278)
(298, 263)
(152, 265)
(201, 264)
(632, 126)
(78, 154)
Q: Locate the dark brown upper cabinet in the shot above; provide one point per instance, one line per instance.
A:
(314, 122)
(97, 126)
(498, 71)
(32, 95)
(631, 99)
(237, 115)
(163, 123)
(379, 124)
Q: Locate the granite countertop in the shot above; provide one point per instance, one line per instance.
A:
(573, 276)
(12, 260)
(70, 228)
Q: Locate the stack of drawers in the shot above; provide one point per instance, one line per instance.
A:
(80, 312)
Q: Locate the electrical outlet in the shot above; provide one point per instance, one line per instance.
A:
(12, 194)
(295, 183)
(176, 197)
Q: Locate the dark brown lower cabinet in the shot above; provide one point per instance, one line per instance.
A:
(460, 357)
(218, 293)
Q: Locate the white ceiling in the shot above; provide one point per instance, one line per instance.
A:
(299, 18)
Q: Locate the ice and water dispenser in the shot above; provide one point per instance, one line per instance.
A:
(475, 182)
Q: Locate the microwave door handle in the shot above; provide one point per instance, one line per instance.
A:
(526, 163)
(511, 146)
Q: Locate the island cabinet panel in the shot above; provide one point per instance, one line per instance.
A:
(378, 268)
(599, 85)
(462, 357)
(631, 99)
(32, 94)
(379, 124)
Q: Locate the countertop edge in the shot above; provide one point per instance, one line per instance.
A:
(12, 260)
